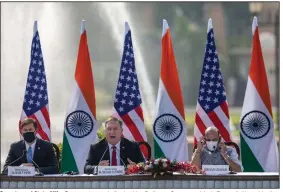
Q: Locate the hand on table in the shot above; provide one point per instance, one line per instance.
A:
(131, 162)
(104, 163)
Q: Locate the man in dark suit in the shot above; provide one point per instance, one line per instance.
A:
(32, 151)
(113, 150)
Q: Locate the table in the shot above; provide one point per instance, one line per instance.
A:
(236, 181)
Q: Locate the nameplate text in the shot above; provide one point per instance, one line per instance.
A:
(110, 170)
(21, 171)
(215, 169)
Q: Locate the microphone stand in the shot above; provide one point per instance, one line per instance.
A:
(96, 167)
(210, 153)
(6, 168)
(39, 172)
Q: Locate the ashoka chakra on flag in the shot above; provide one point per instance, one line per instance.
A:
(255, 124)
(79, 124)
(167, 127)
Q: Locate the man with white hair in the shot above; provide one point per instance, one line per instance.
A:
(113, 150)
(212, 151)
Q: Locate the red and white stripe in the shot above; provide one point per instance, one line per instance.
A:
(218, 118)
(43, 122)
(133, 125)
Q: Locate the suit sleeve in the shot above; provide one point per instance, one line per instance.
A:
(10, 158)
(138, 154)
(91, 161)
(51, 162)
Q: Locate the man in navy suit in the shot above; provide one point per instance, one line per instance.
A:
(113, 150)
(32, 151)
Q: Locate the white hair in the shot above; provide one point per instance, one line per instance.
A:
(212, 129)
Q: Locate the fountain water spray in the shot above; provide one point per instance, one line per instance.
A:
(116, 14)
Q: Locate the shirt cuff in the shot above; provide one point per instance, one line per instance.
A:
(95, 170)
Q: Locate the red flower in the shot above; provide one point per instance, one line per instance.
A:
(164, 164)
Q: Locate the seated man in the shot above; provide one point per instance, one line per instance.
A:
(32, 151)
(212, 151)
(113, 150)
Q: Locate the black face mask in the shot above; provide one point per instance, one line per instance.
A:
(29, 137)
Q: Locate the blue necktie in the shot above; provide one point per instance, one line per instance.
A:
(29, 155)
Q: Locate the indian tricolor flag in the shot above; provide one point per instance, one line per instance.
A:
(169, 129)
(259, 150)
(80, 123)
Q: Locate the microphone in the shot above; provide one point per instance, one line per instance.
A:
(211, 155)
(122, 149)
(122, 161)
(107, 148)
(96, 167)
(6, 168)
(209, 152)
(39, 173)
(70, 173)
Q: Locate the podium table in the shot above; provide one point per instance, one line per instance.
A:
(234, 181)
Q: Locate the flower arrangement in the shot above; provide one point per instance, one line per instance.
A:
(135, 169)
(162, 166)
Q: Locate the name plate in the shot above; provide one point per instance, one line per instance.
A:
(215, 169)
(21, 171)
(110, 170)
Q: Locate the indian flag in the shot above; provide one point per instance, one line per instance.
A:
(80, 123)
(169, 129)
(259, 150)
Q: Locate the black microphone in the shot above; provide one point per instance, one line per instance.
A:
(144, 159)
(210, 153)
(70, 173)
(6, 168)
(39, 173)
(96, 167)
(122, 161)
(103, 154)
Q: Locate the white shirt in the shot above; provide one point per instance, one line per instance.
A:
(117, 153)
(32, 147)
(234, 156)
(110, 154)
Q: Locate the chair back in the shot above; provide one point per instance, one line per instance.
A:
(57, 153)
(234, 145)
(146, 149)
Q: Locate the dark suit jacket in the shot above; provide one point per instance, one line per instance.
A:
(44, 156)
(128, 149)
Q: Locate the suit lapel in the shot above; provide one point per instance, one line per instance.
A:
(23, 148)
(122, 152)
(36, 150)
(107, 154)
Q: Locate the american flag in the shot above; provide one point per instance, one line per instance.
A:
(212, 106)
(36, 98)
(128, 100)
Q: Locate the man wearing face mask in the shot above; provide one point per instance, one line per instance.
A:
(212, 151)
(32, 151)
(114, 150)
